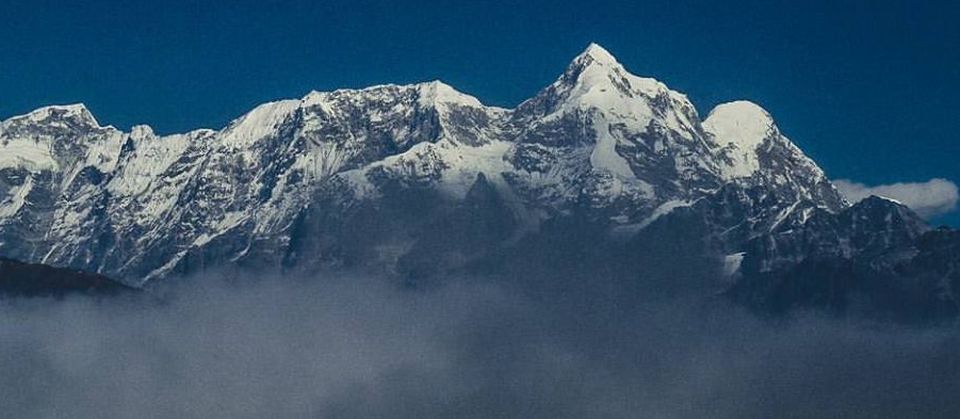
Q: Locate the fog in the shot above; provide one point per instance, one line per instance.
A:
(352, 346)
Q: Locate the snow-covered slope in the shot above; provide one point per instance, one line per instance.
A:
(293, 178)
(755, 151)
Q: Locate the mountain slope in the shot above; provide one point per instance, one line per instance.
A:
(876, 258)
(18, 279)
(356, 177)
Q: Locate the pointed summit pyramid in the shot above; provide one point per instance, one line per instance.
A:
(629, 128)
(598, 140)
(595, 55)
(597, 66)
(596, 79)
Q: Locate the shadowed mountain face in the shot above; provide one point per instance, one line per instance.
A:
(18, 279)
(600, 142)
(604, 180)
(876, 257)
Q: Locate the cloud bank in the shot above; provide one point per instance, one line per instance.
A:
(358, 347)
(929, 199)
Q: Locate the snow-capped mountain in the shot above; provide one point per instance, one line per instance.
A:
(382, 176)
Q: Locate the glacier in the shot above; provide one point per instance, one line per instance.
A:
(280, 185)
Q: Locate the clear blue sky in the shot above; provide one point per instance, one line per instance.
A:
(870, 89)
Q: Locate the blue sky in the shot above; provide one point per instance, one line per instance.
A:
(871, 90)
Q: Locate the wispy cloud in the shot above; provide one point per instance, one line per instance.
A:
(929, 199)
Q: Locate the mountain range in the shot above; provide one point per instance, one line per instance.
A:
(602, 172)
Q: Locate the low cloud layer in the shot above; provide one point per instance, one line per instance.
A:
(929, 199)
(357, 347)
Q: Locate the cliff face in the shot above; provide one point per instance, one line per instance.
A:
(288, 183)
(612, 172)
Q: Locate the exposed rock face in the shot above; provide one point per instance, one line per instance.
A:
(600, 141)
(421, 179)
(876, 257)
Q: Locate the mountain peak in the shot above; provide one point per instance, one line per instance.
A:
(880, 201)
(435, 92)
(597, 68)
(73, 107)
(597, 54)
(141, 131)
(598, 138)
(77, 112)
(744, 113)
(752, 144)
(881, 214)
(594, 59)
(743, 123)
(429, 94)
